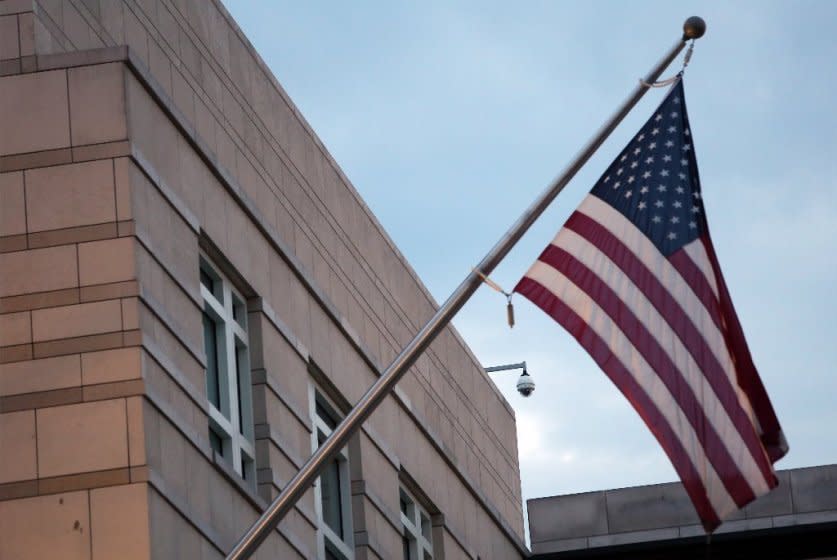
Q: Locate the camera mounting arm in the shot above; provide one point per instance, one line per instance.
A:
(525, 385)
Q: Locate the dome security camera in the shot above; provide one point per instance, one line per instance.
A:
(525, 385)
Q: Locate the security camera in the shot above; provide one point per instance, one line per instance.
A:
(525, 385)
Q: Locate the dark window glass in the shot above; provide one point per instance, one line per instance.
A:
(207, 281)
(404, 505)
(324, 414)
(330, 555)
(216, 443)
(330, 497)
(405, 542)
(238, 388)
(210, 346)
(425, 527)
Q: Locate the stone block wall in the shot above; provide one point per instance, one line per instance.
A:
(127, 163)
(72, 437)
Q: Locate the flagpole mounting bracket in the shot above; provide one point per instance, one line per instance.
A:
(693, 28)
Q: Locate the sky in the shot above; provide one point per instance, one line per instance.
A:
(450, 118)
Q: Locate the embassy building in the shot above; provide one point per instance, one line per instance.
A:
(192, 294)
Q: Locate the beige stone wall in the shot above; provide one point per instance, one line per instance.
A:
(72, 444)
(100, 274)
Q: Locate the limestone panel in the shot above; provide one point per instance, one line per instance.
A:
(82, 437)
(178, 358)
(26, 27)
(35, 107)
(17, 440)
(113, 20)
(15, 328)
(40, 527)
(111, 260)
(174, 449)
(119, 522)
(776, 502)
(183, 95)
(9, 45)
(135, 35)
(572, 516)
(97, 104)
(807, 485)
(171, 535)
(651, 507)
(453, 550)
(12, 208)
(70, 195)
(108, 366)
(164, 232)
(136, 431)
(122, 181)
(296, 437)
(76, 320)
(77, 30)
(153, 133)
(38, 270)
(130, 314)
(46, 374)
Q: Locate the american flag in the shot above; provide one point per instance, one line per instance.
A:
(634, 278)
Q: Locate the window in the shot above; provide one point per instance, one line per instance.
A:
(332, 493)
(417, 539)
(228, 386)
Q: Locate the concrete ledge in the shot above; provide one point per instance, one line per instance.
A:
(600, 523)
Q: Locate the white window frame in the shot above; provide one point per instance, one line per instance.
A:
(326, 537)
(418, 528)
(233, 422)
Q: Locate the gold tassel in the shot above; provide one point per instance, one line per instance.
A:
(495, 286)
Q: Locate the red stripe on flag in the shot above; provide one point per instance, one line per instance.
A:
(644, 279)
(647, 345)
(748, 377)
(625, 382)
(693, 276)
(680, 323)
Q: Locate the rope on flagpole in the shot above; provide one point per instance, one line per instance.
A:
(495, 286)
(656, 84)
(669, 81)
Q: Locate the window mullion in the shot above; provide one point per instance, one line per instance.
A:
(232, 384)
(222, 421)
(238, 331)
(337, 542)
(209, 299)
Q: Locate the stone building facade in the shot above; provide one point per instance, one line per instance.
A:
(192, 294)
(796, 520)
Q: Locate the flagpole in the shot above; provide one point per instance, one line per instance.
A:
(693, 28)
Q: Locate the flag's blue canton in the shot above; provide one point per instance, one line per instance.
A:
(654, 181)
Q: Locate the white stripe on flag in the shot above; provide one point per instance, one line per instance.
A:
(697, 252)
(670, 342)
(601, 323)
(642, 247)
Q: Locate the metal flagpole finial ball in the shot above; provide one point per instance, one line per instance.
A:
(694, 28)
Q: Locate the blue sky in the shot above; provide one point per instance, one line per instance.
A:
(450, 118)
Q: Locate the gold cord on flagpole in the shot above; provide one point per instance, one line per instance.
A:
(495, 286)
